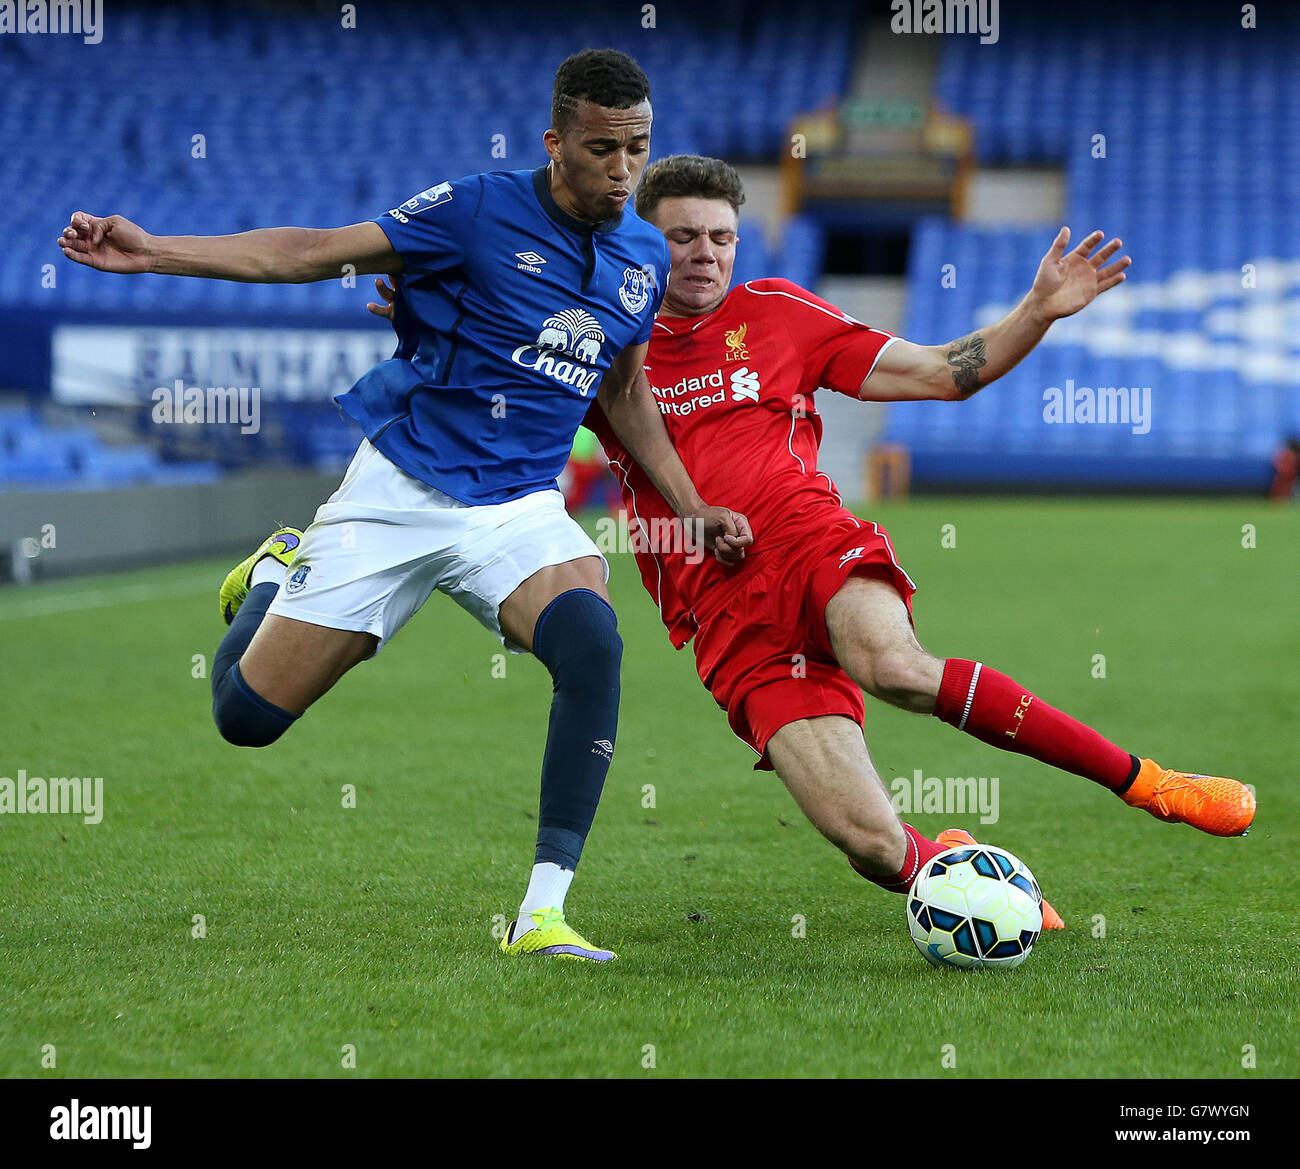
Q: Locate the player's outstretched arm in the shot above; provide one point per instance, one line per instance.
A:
(268, 255)
(1065, 283)
(629, 404)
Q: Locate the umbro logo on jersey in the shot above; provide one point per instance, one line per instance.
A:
(603, 747)
(744, 385)
(529, 261)
(852, 554)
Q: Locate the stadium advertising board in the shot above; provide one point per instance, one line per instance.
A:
(102, 365)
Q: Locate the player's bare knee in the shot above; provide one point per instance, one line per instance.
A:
(862, 832)
(907, 678)
(878, 845)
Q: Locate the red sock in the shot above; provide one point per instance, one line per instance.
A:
(997, 710)
(918, 851)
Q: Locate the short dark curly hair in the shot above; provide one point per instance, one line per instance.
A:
(603, 76)
(688, 176)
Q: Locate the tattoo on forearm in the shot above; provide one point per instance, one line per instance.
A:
(967, 358)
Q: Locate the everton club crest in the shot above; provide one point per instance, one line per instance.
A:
(635, 293)
(298, 581)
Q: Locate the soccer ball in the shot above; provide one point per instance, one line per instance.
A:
(976, 907)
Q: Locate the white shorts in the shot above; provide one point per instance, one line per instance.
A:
(384, 541)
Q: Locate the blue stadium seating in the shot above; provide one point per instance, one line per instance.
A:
(303, 121)
(35, 455)
(1202, 158)
(306, 122)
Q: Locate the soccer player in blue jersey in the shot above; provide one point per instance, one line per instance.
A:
(522, 297)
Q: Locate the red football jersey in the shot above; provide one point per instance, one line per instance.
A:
(735, 388)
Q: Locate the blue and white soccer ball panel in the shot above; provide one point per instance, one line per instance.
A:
(975, 906)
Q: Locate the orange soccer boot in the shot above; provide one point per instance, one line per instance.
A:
(1219, 806)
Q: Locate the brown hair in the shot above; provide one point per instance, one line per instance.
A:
(688, 176)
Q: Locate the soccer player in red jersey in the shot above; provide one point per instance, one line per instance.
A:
(820, 608)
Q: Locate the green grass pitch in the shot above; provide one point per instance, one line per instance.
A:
(331, 928)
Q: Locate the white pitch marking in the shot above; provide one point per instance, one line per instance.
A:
(95, 599)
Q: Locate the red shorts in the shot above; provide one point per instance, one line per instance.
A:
(764, 652)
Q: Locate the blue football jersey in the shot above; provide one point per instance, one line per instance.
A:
(508, 313)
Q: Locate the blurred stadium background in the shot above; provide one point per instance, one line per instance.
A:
(915, 180)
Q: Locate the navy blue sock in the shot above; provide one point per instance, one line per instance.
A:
(242, 715)
(576, 638)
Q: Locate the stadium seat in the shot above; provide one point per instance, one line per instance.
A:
(1199, 197)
